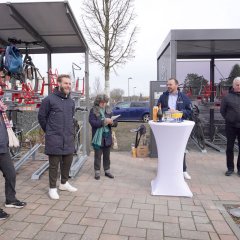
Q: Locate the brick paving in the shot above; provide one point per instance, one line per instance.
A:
(123, 208)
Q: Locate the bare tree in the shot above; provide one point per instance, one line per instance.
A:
(96, 87)
(116, 95)
(108, 25)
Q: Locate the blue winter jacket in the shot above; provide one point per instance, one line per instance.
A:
(183, 104)
(56, 119)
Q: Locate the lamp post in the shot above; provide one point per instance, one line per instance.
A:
(134, 93)
(128, 89)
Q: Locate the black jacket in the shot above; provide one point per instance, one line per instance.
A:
(183, 104)
(230, 109)
(3, 136)
(96, 122)
(56, 119)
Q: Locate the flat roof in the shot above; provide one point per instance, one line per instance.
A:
(52, 23)
(203, 43)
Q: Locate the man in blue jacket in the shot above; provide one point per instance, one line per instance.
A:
(56, 119)
(173, 100)
(7, 168)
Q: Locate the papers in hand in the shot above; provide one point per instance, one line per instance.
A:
(115, 117)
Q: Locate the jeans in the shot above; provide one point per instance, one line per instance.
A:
(8, 170)
(232, 133)
(65, 165)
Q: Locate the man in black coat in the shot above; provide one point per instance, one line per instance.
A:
(7, 168)
(230, 110)
(56, 119)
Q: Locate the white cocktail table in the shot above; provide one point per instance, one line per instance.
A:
(171, 140)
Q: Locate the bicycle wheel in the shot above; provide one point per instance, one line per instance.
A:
(200, 136)
(16, 150)
(76, 136)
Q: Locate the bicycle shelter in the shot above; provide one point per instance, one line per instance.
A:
(55, 26)
(196, 44)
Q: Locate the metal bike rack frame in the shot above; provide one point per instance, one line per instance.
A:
(30, 153)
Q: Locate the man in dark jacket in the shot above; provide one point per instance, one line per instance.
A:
(173, 100)
(101, 123)
(56, 119)
(7, 168)
(230, 110)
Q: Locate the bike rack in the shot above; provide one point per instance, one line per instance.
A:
(80, 158)
(30, 153)
(36, 175)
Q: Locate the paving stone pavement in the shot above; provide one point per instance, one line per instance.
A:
(123, 208)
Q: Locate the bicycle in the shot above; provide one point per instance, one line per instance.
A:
(197, 134)
(77, 130)
(14, 151)
(30, 71)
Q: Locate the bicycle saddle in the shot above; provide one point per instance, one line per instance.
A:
(141, 129)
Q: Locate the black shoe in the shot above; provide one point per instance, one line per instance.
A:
(108, 174)
(228, 172)
(3, 215)
(97, 177)
(16, 204)
(238, 173)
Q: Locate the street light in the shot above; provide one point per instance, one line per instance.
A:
(128, 89)
(134, 91)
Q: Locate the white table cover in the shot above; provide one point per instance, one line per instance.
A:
(171, 140)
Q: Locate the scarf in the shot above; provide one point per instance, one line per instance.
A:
(13, 141)
(102, 131)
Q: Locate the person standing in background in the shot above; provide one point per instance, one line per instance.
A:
(7, 167)
(173, 100)
(56, 119)
(230, 110)
(101, 123)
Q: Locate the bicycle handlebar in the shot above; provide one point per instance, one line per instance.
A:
(83, 109)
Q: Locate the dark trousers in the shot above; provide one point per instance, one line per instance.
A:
(184, 163)
(232, 133)
(106, 158)
(8, 170)
(65, 165)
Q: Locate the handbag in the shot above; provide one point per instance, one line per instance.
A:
(12, 139)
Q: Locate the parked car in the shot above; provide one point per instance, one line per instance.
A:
(132, 111)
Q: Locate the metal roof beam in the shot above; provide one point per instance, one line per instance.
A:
(27, 26)
(74, 24)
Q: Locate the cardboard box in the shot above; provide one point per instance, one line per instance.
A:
(142, 151)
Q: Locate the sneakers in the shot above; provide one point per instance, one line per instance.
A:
(228, 173)
(3, 215)
(186, 175)
(16, 204)
(67, 187)
(53, 194)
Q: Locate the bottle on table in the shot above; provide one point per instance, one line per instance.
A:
(155, 111)
(159, 113)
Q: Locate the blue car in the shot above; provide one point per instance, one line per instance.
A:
(132, 111)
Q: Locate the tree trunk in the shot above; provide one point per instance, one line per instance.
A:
(107, 81)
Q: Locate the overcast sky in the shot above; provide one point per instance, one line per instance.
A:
(155, 18)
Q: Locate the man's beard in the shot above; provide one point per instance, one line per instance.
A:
(63, 91)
